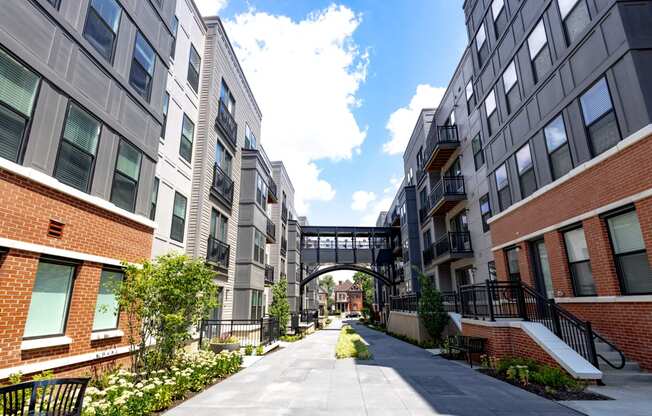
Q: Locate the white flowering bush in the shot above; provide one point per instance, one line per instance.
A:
(124, 393)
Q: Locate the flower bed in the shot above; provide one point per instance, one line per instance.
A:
(351, 345)
(127, 394)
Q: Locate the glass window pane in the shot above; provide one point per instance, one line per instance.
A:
(625, 233)
(188, 128)
(481, 37)
(12, 128)
(635, 272)
(50, 298)
(576, 245)
(509, 77)
(528, 183)
(469, 90)
(144, 54)
(583, 278)
(504, 197)
(484, 205)
(537, 39)
(74, 167)
(106, 306)
(109, 11)
(139, 79)
(524, 158)
(82, 129)
(560, 161)
(512, 261)
(501, 177)
(497, 7)
(179, 206)
(490, 103)
(123, 193)
(555, 133)
(565, 6)
(596, 101)
(129, 160)
(604, 134)
(99, 34)
(18, 85)
(542, 63)
(576, 21)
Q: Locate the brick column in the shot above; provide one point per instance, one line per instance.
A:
(82, 306)
(644, 213)
(602, 261)
(558, 261)
(501, 265)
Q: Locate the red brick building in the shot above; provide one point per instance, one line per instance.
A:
(348, 297)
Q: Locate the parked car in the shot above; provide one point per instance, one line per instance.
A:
(353, 314)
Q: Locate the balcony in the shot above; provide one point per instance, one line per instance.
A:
(269, 274)
(446, 194)
(271, 231)
(394, 217)
(226, 123)
(284, 213)
(222, 186)
(442, 143)
(452, 246)
(428, 255)
(272, 195)
(218, 253)
(284, 246)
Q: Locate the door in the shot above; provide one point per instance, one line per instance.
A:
(542, 269)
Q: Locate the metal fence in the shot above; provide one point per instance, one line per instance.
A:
(252, 332)
(404, 303)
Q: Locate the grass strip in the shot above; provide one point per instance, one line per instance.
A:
(351, 345)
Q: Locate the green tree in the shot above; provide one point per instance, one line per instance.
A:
(328, 284)
(161, 300)
(366, 283)
(431, 309)
(280, 307)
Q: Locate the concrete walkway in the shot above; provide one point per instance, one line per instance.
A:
(304, 378)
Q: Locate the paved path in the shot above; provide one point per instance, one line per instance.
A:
(305, 379)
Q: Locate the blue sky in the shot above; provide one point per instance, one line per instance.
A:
(394, 46)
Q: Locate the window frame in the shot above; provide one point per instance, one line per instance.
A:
(183, 220)
(570, 263)
(487, 214)
(116, 172)
(477, 152)
(601, 117)
(192, 69)
(175, 33)
(134, 61)
(166, 110)
(117, 317)
(550, 153)
(506, 186)
(526, 170)
(111, 59)
(493, 113)
(154, 199)
(570, 11)
(183, 137)
(470, 98)
(496, 16)
(512, 275)
(536, 75)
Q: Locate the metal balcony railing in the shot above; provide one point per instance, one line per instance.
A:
(226, 122)
(218, 253)
(453, 243)
(273, 196)
(448, 186)
(284, 213)
(404, 303)
(222, 185)
(271, 230)
(269, 274)
(284, 246)
(442, 142)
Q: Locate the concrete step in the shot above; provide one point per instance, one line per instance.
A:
(612, 356)
(626, 377)
(603, 347)
(629, 366)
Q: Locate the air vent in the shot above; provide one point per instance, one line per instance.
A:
(55, 229)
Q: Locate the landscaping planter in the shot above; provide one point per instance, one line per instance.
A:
(217, 348)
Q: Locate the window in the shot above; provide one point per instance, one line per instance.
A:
(101, 28)
(77, 150)
(178, 217)
(478, 153)
(187, 135)
(485, 212)
(142, 67)
(500, 16)
(194, 66)
(261, 192)
(48, 308)
(451, 118)
(166, 105)
(481, 45)
(502, 185)
(175, 29)
(510, 80)
(631, 257)
(125, 178)
(250, 139)
(18, 88)
(427, 239)
(492, 114)
(513, 268)
(599, 118)
(256, 304)
(423, 199)
(219, 226)
(575, 16)
(470, 96)
(259, 247)
(526, 176)
(558, 150)
(537, 44)
(223, 159)
(420, 158)
(579, 263)
(152, 207)
(106, 306)
(227, 98)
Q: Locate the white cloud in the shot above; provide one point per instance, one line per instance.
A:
(361, 200)
(305, 76)
(401, 122)
(210, 7)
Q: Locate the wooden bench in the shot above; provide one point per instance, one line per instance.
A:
(466, 345)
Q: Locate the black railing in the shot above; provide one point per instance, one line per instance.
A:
(310, 316)
(222, 185)
(442, 135)
(254, 332)
(428, 254)
(273, 196)
(447, 186)
(404, 303)
(284, 213)
(420, 174)
(284, 246)
(451, 301)
(453, 243)
(269, 274)
(218, 253)
(515, 300)
(271, 230)
(226, 122)
(64, 396)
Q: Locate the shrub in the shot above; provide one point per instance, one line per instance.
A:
(554, 378)
(431, 309)
(225, 339)
(280, 308)
(260, 350)
(291, 338)
(525, 370)
(249, 350)
(351, 345)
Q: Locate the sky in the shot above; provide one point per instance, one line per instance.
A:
(340, 86)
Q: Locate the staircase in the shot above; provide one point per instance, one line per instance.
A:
(631, 373)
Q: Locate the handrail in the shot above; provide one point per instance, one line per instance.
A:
(447, 186)
(609, 343)
(222, 184)
(227, 122)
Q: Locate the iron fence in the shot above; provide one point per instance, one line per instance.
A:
(451, 301)
(227, 123)
(404, 303)
(252, 332)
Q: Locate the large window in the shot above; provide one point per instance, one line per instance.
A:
(125, 178)
(178, 217)
(492, 114)
(513, 267)
(579, 262)
(219, 226)
(537, 44)
(502, 185)
(48, 309)
(526, 176)
(499, 15)
(223, 159)
(631, 257)
(154, 201)
(575, 15)
(175, 29)
(481, 44)
(250, 139)
(558, 150)
(18, 87)
(599, 117)
(485, 212)
(256, 304)
(166, 107)
(194, 66)
(259, 247)
(478, 153)
(510, 82)
(101, 28)
(78, 148)
(227, 98)
(470, 96)
(187, 135)
(142, 67)
(106, 306)
(261, 192)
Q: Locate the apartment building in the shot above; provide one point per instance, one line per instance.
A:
(177, 143)
(563, 91)
(82, 87)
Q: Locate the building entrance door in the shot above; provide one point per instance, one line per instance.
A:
(542, 269)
